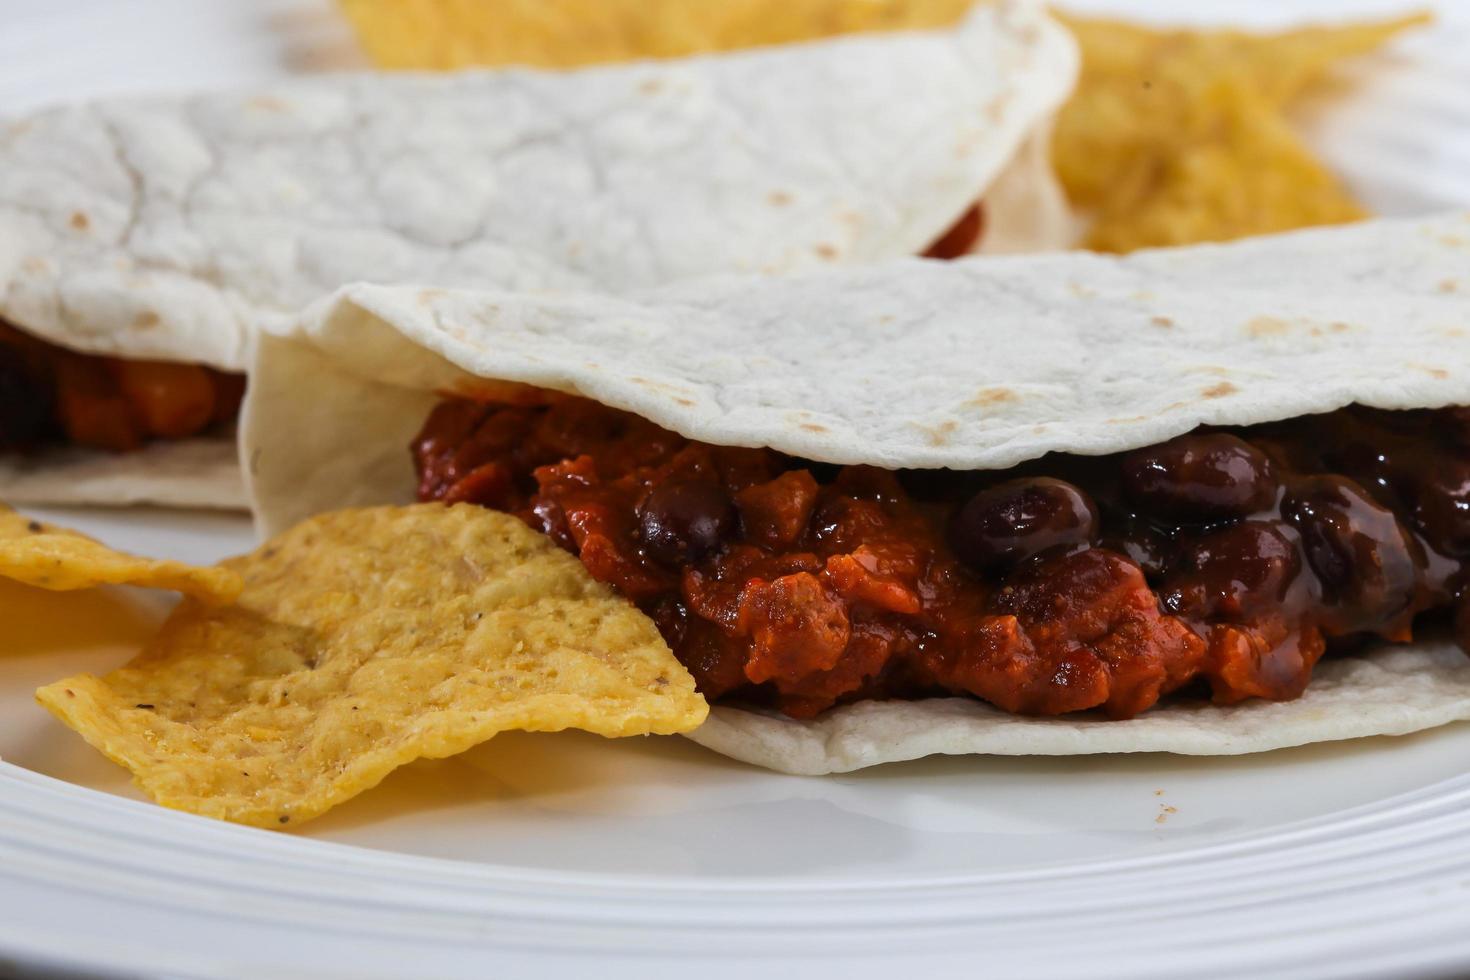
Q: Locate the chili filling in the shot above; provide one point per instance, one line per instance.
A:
(52, 396)
(1225, 561)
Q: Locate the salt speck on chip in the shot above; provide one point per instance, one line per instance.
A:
(365, 639)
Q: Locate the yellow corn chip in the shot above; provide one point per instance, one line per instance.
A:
(1179, 136)
(1284, 66)
(1250, 175)
(567, 33)
(52, 557)
(366, 639)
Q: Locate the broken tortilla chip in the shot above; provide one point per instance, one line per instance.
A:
(51, 557)
(365, 639)
(1247, 173)
(1177, 137)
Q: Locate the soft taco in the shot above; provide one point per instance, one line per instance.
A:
(142, 240)
(1175, 501)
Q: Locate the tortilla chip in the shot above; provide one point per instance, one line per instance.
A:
(1285, 66)
(1178, 137)
(56, 558)
(1246, 173)
(567, 33)
(366, 639)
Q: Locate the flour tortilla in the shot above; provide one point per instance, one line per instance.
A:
(976, 364)
(1394, 691)
(201, 473)
(166, 228)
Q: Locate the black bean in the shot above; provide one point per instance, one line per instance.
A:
(1150, 547)
(684, 520)
(1368, 563)
(1004, 525)
(1439, 505)
(1200, 478)
(1233, 573)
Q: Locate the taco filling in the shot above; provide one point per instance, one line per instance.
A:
(52, 396)
(1222, 563)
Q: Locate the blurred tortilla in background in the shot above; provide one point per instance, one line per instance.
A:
(154, 234)
(1172, 137)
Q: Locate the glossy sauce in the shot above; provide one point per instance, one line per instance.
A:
(1220, 562)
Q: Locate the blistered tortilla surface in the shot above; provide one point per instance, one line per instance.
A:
(165, 227)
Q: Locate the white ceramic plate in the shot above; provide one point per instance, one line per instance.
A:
(568, 855)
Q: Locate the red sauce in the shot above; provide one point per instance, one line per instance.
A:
(962, 236)
(50, 395)
(1219, 562)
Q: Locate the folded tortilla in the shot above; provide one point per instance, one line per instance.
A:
(977, 364)
(167, 228)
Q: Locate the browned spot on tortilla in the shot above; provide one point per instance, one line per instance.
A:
(1267, 326)
(1433, 372)
(1162, 321)
(1221, 390)
(995, 109)
(1080, 290)
(35, 265)
(779, 198)
(1449, 286)
(269, 103)
(651, 86)
(825, 251)
(687, 402)
(80, 221)
(994, 395)
(938, 434)
(146, 319)
(814, 427)
(428, 296)
(1454, 241)
(1337, 326)
(1128, 420)
(1454, 331)
(674, 392)
(1143, 296)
